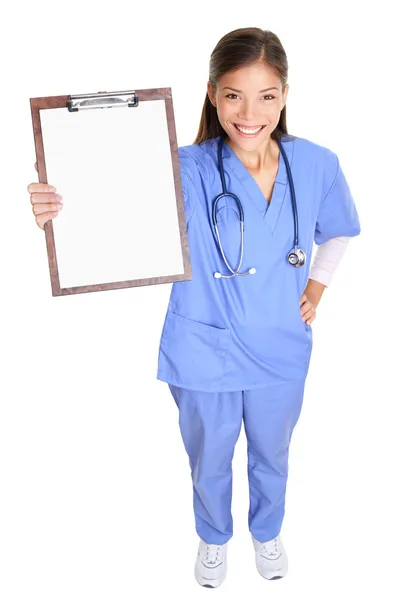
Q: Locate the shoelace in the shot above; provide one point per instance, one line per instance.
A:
(271, 547)
(212, 553)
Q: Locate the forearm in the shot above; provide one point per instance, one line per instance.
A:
(326, 260)
(314, 291)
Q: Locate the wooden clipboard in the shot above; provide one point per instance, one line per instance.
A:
(103, 240)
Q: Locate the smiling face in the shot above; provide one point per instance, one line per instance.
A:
(249, 102)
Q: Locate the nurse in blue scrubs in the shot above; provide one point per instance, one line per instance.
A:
(238, 349)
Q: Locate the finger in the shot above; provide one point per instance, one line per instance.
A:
(303, 299)
(34, 188)
(309, 321)
(308, 314)
(45, 198)
(36, 167)
(306, 307)
(39, 209)
(42, 219)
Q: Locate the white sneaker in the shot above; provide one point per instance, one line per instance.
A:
(271, 558)
(210, 569)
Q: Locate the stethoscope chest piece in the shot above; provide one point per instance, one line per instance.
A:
(297, 258)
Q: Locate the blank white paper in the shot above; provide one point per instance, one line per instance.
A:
(113, 168)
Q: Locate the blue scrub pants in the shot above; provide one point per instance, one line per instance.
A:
(210, 424)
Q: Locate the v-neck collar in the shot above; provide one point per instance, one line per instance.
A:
(270, 213)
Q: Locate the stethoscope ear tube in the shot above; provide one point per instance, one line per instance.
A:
(215, 207)
(293, 197)
(218, 275)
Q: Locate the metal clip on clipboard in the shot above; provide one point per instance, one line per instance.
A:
(103, 100)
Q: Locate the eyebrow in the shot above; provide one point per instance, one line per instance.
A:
(240, 91)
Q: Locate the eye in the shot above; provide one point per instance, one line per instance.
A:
(231, 94)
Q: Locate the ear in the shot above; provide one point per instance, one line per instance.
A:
(211, 94)
(284, 97)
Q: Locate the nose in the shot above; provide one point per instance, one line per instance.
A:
(247, 112)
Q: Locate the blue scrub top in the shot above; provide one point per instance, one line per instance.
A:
(247, 332)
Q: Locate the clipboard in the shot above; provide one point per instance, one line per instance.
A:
(123, 222)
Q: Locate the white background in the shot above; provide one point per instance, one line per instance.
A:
(96, 498)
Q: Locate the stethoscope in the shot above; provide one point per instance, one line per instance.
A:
(296, 256)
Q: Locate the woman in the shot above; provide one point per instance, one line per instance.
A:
(238, 348)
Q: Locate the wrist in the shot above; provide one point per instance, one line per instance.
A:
(314, 291)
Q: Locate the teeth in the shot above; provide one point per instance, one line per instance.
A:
(251, 131)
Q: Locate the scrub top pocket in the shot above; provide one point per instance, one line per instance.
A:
(192, 354)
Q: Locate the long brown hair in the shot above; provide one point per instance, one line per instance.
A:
(236, 49)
